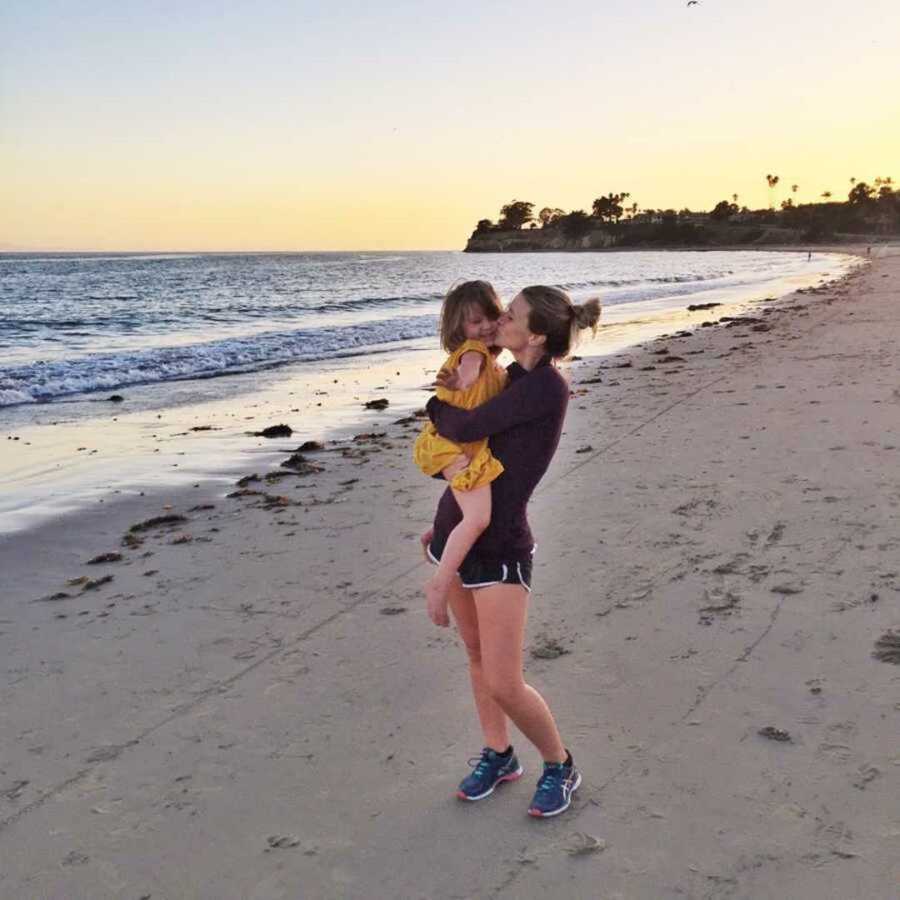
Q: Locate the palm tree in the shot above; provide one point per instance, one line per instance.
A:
(795, 187)
(772, 181)
(852, 180)
(734, 199)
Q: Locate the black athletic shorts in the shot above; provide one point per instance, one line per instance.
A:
(478, 573)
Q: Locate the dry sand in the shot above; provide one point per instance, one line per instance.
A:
(256, 706)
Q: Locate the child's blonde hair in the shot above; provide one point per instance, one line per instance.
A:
(453, 314)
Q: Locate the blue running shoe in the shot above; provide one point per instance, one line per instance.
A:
(554, 789)
(490, 769)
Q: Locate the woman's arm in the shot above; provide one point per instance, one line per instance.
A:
(531, 397)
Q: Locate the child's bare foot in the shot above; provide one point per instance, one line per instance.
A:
(436, 602)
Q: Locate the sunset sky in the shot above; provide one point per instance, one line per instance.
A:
(291, 125)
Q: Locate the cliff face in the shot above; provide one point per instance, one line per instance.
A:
(707, 236)
(532, 240)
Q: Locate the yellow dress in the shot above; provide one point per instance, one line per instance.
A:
(433, 453)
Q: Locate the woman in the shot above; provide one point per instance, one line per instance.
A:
(489, 600)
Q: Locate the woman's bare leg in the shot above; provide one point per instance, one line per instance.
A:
(494, 722)
(476, 511)
(501, 612)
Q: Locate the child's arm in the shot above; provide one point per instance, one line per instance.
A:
(464, 375)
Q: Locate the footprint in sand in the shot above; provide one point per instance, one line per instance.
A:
(732, 566)
(786, 590)
(546, 647)
(701, 506)
(887, 648)
(775, 535)
(12, 791)
(282, 842)
(718, 605)
(838, 753)
(865, 774)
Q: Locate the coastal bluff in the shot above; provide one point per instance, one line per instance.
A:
(650, 236)
(863, 217)
(534, 240)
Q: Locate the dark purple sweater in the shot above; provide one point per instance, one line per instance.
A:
(523, 424)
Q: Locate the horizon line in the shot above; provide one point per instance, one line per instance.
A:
(6, 250)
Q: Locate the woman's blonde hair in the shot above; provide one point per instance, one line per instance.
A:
(553, 315)
(480, 294)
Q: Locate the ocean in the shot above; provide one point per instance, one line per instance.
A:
(78, 324)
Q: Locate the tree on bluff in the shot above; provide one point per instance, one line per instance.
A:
(860, 193)
(483, 226)
(514, 215)
(576, 225)
(723, 211)
(772, 182)
(609, 208)
(550, 216)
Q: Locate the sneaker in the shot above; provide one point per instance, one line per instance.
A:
(489, 770)
(554, 789)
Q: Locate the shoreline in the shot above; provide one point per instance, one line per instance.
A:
(111, 512)
(94, 395)
(157, 449)
(265, 707)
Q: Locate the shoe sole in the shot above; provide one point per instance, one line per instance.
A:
(513, 776)
(546, 815)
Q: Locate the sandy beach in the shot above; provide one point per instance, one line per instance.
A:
(252, 703)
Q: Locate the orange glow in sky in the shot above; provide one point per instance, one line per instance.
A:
(360, 128)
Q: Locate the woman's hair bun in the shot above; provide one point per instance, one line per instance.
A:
(587, 314)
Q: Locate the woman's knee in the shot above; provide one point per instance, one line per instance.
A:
(504, 689)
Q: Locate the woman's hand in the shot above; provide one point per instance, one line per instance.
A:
(425, 541)
(436, 603)
(435, 594)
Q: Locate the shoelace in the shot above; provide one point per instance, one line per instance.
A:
(480, 764)
(549, 780)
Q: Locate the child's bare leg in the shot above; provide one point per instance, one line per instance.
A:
(476, 511)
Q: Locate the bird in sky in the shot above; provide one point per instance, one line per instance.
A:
(693, 2)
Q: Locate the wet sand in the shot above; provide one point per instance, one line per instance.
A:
(72, 453)
(256, 706)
